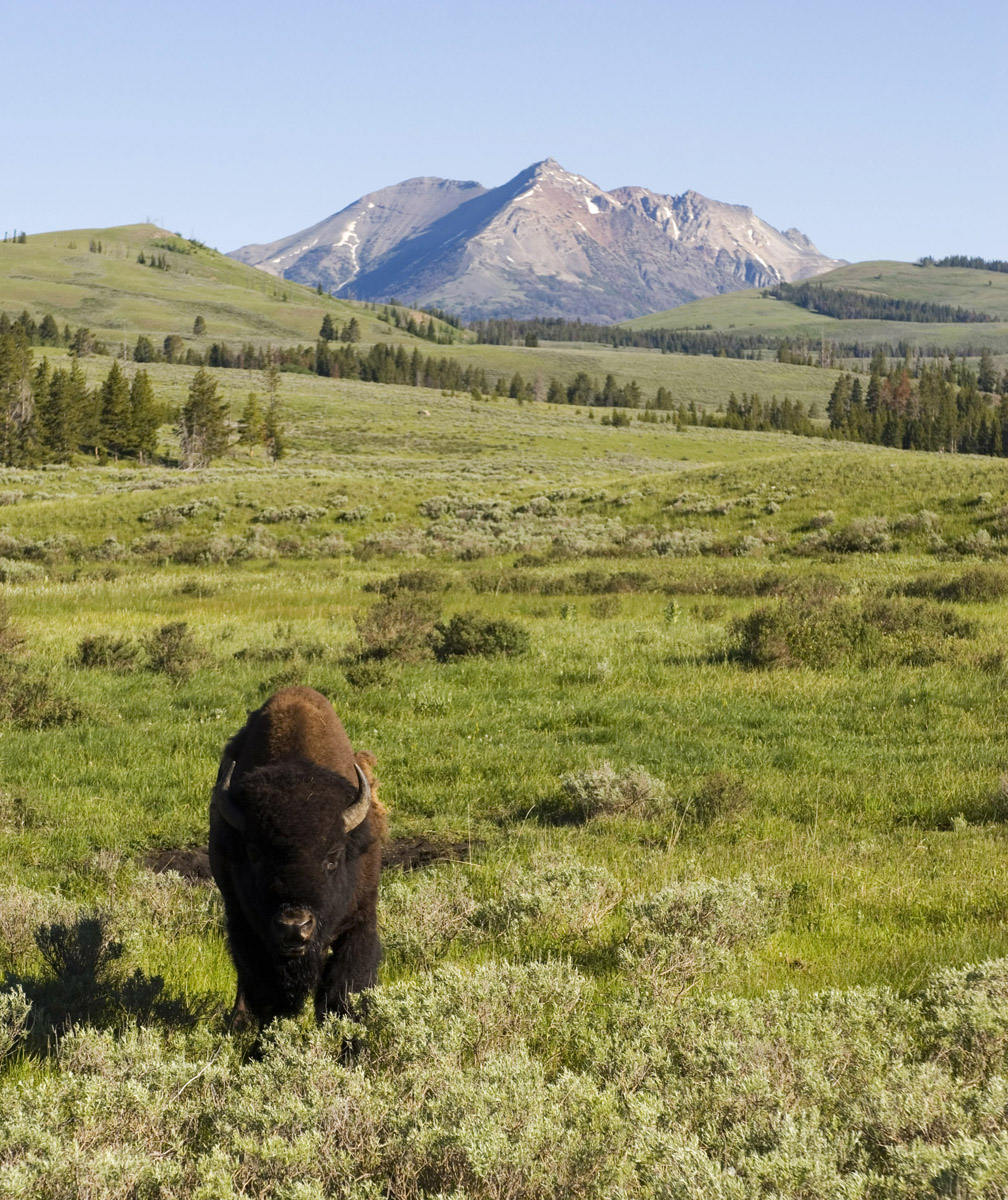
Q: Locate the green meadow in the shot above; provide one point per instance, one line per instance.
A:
(752, 312)
(696, 874)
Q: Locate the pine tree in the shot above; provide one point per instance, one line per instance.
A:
(145, 417)
(328, 331)
(251, 423)
(116, 432)
(202, 425)
(987, 376)
(273, 433)
(17, 401)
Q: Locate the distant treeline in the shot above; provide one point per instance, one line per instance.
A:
(721, 344)
(848, 305)
(718, 343)
(945, 406)
(961, 260)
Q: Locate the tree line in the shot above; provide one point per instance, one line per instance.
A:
(50, 414)
(848, 305)
(962, 260)
(946, 406)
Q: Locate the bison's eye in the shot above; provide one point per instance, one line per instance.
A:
(255, 855)
(333, 858)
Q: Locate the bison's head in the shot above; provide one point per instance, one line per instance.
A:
(291, 832)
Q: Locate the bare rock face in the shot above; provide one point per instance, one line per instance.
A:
(546, 243)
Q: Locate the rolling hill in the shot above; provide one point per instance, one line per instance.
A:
(754, 312)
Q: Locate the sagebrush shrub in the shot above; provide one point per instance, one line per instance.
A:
(399, 626)
(977, 585)
(108, 650)
(470, 633)
(603, 790)
(688, 930)
(172, 650)
(719, 795)
(869, 632)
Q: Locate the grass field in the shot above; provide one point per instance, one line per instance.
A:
(701, 878)
(751, 313)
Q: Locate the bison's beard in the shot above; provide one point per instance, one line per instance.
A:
(298, 977)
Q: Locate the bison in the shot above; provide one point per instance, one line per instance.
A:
(296, 833)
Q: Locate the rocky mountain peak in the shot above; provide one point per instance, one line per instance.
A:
(547, 242)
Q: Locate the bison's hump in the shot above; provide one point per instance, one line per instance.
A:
(295, 723)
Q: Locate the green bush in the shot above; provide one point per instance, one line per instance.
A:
(868, 632)
(399, 626)
(603, 790)
(172, 650)
(469, 633)
(977, 585)
(108, 651)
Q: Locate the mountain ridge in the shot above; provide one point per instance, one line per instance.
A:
(545, 243)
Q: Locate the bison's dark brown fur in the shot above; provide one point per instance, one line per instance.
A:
(296, 832)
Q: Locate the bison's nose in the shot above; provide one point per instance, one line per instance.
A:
(294, 927)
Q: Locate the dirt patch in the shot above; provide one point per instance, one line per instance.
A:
(191, 862)
(411, 853)
(406, 854)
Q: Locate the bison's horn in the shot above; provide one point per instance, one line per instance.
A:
(359, 809)
(222, 794)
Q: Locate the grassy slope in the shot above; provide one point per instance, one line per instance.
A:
(118, 299)
(749, 312)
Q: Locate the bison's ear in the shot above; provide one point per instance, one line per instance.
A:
(357, 811)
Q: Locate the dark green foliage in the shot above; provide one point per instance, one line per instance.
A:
(470, 633)
(962, 260)
(866, 632)
(203, 424)
(172, 650)
(116, 415)
(399, 626)
(848, 305)
(108, 651)
(979, 585)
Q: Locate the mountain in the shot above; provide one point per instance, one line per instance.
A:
(546, 243)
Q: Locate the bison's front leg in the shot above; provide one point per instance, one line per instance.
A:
(352, 967)
(258, 996)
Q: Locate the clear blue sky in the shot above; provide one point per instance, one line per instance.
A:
(878, 129)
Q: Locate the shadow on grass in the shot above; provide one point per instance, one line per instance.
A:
(82, 981)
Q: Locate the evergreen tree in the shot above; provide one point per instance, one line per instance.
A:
(987, 376)
(116, 433)
(202, 424)
(251, 423)
(48, 332)
(17, 401)
(273, 433)
(143, 351)
(145, 417)
(351, 331)
(328, 331)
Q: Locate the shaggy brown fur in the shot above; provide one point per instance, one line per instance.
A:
(300, 890)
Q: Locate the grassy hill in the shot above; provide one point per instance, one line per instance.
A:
(119, 299)
(751, 312)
